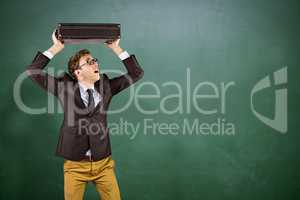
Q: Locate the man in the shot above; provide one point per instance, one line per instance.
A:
(85, 95)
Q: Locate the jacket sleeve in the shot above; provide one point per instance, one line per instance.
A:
(38, 75)
(134, 73)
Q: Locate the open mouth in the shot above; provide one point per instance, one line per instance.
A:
(96, 71)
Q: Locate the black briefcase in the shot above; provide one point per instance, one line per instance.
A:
(75, 33)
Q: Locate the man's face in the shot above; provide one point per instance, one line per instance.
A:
(89, 70)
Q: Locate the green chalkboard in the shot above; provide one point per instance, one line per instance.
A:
(214, 117)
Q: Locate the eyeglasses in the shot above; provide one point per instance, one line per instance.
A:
(89, 62)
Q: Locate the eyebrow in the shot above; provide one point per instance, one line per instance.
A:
(88, 59)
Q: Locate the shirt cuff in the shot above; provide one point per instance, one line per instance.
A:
(48, 54)
(124, 55)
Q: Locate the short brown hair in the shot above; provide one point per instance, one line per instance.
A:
(74, 61)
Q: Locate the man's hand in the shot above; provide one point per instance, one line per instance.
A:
(57, 45)
(114, 45)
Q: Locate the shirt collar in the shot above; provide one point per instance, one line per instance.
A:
(83, 88)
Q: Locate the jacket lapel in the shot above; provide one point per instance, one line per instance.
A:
(99, 87)
(78, 100)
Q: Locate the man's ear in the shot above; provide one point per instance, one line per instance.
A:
(76, 73)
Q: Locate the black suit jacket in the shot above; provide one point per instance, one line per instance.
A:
(83, 129)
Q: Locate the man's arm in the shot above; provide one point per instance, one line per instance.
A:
(134, 71)
(35, 69)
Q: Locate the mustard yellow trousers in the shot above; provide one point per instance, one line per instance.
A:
(101, 173)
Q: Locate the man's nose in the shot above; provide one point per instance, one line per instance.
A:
(96, 67)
